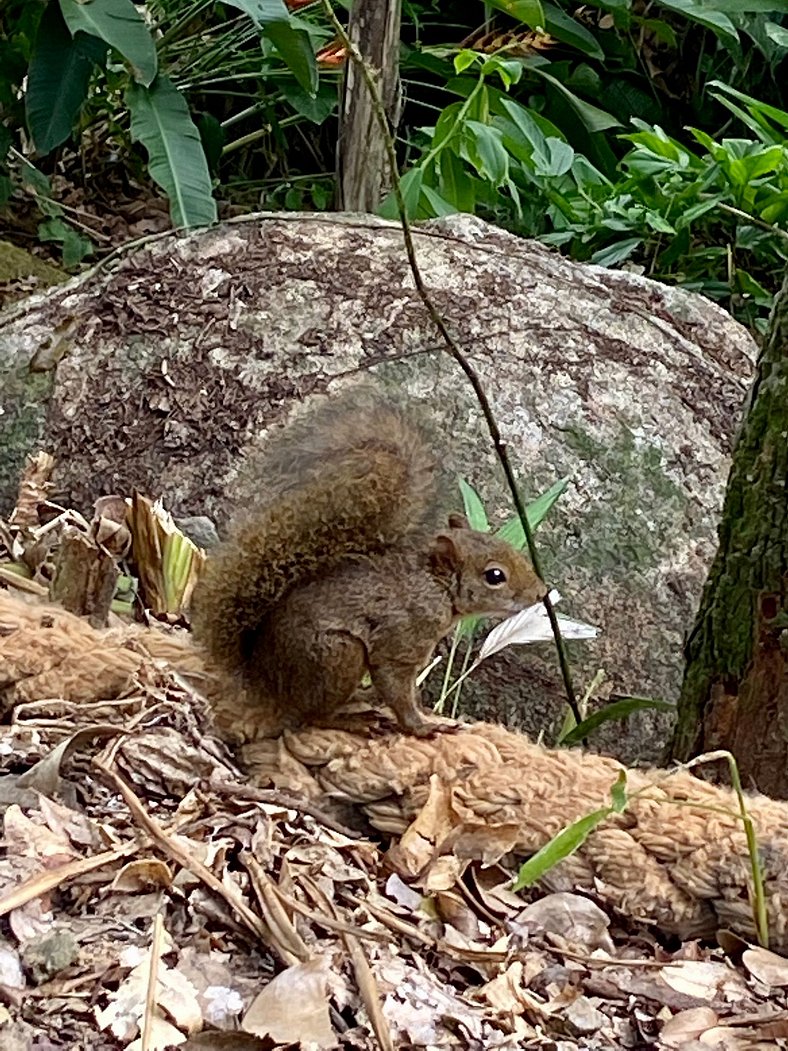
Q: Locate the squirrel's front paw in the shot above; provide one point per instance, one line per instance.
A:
(434, 725)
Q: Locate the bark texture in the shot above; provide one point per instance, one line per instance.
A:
(735, 692)
(164, 370)
(374, 28)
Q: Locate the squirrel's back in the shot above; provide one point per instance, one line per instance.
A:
(354, 477)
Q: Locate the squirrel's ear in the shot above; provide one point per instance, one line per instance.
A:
(458, 521)
(445, 556)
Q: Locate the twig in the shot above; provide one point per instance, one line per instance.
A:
(43, 882)
(182, 857)
(741, 214)
(150, 992)
(451, 344)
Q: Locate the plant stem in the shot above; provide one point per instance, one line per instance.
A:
(452, 346)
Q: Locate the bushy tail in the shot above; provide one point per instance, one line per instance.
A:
(354, 477)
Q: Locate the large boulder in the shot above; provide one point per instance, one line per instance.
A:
(162, 369)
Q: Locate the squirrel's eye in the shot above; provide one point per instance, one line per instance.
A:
(494, 576)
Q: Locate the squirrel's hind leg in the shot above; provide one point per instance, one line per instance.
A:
(324, 677)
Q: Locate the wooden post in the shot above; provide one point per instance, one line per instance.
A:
(362, 169)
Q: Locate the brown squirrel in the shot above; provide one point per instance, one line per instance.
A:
(339, 571)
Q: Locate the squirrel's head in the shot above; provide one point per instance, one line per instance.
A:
(488, 576)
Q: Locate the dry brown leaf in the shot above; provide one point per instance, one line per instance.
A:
(705, 980)
(687, 1025)
(173, 994)
(575, 918)
(293, 1007)
(766, 966)
(420, 842)
(142, 874)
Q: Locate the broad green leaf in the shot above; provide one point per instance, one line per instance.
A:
(776, 211)
(295, 49)
(161, 121)
(474, 508)
(121, 26)
(594, 118)
(446, 125)
(695, 211)
(745, 169)
(779, 116)
(58, 78)
(536, 512)
(561, 156)
(561, 846)
(777, 34)
(529, 12)
(456, 185)
(749, 286)
(410, 185)
(486, 151)
(617, 710)
(438, 205)
(316, 107)
(616, 252)
(710, 17)
(510, 70)
(741, 7)
(73, 245)
(560, 25)
(262, 11)
(658, 223)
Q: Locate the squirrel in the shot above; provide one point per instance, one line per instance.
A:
(339, 571)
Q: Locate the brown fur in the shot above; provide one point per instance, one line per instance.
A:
(336, 573)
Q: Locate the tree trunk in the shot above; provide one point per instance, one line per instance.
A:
(362, 168)
(735, 691)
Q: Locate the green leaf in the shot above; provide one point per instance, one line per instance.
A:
(695, 211)
(73, 245)
(474, 508)
(464, 59)
(262, 12)
(535, 512)
(57, 81)
(616, 252)
(561, 846)
(295, 49)
(456, 185)
(705, 16)
(617, 710)
(161, 121)
(618, 793)
(776, 210)
(593, 118)
(486, 151)
(508, 69)
(561, 157)
(118, 24)
(410, 185)
(777, 34)
(779, 116)
(438, 205)
(564, 28)
(316, 107)
(528, 12)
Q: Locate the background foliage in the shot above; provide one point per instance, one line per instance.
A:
(647, 134)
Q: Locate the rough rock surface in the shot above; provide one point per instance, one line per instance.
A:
(162, 370)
